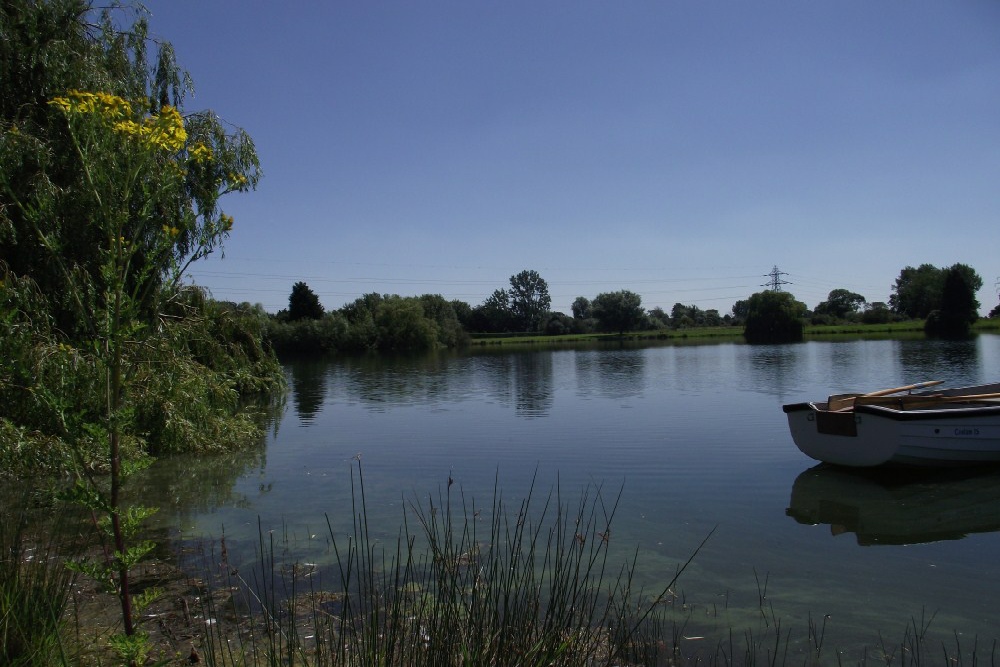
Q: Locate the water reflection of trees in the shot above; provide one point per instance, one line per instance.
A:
(957, 362)
(772, 369)
(184, 487)
(611, 373)
(308, 384)
(380, 381)
(532, 384)
(520, 379)
(523, 379)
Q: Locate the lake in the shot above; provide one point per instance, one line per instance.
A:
(693, 437)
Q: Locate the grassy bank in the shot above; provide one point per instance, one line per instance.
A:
(905, 329)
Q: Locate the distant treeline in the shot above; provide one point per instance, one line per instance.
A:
(393, 323)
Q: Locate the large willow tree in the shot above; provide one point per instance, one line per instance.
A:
(109, 190)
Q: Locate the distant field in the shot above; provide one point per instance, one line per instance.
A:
(707, 334)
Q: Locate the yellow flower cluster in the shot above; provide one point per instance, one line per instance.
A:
(226, 221)
(199, 152)
(172, 232)
(164, 131)
(106, 105)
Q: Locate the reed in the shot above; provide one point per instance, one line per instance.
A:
(34, 591)
(528, 584)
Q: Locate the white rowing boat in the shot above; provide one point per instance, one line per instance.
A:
(928, 427)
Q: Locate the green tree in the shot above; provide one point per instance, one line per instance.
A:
(841, 303)
(773, 317)
(959, 306)
(493, 315)
(402, 327)
(463, 311)
(442, 312)
(686, 316)
(303, 303)
(619, 311)
(877, 313)
(659, 318)
(581, 308)
(557, 324)
(529, 300)
(740, 310)
(917, 291)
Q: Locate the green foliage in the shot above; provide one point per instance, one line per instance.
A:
(401, 326)
(494, 315)
(618, 311)
(740, 310)
(445, 315)
(877, 313)
(919, 291)
(559, 324)
(840, 304)
(55, 223)
(34, 587)
(529, 300)
(959, 307)
(773, 317)
(107, 194)
(659, 318)
(581, 308)
(303, 304)
(308, 337)
(463, 313)
(371, 322)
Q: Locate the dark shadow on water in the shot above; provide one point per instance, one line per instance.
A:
(899, 505)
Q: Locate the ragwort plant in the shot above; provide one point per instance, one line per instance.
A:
(136, 162)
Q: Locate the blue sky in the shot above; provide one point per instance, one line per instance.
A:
(678, 149)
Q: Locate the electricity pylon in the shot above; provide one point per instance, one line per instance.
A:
(775, 282)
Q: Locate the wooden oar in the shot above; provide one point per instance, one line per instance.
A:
(909, 387)
(847, 402)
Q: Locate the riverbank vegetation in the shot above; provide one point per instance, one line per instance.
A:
(109, 191)
(923, 300)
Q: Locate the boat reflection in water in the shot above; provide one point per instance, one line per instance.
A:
(898, 506)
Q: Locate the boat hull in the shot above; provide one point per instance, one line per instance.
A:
(875, 435)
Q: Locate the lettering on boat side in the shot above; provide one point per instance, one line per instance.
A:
(966, 431)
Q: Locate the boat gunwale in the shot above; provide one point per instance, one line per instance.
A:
(955, 410)
(961, 411)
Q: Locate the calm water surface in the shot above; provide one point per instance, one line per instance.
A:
(693, 436)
